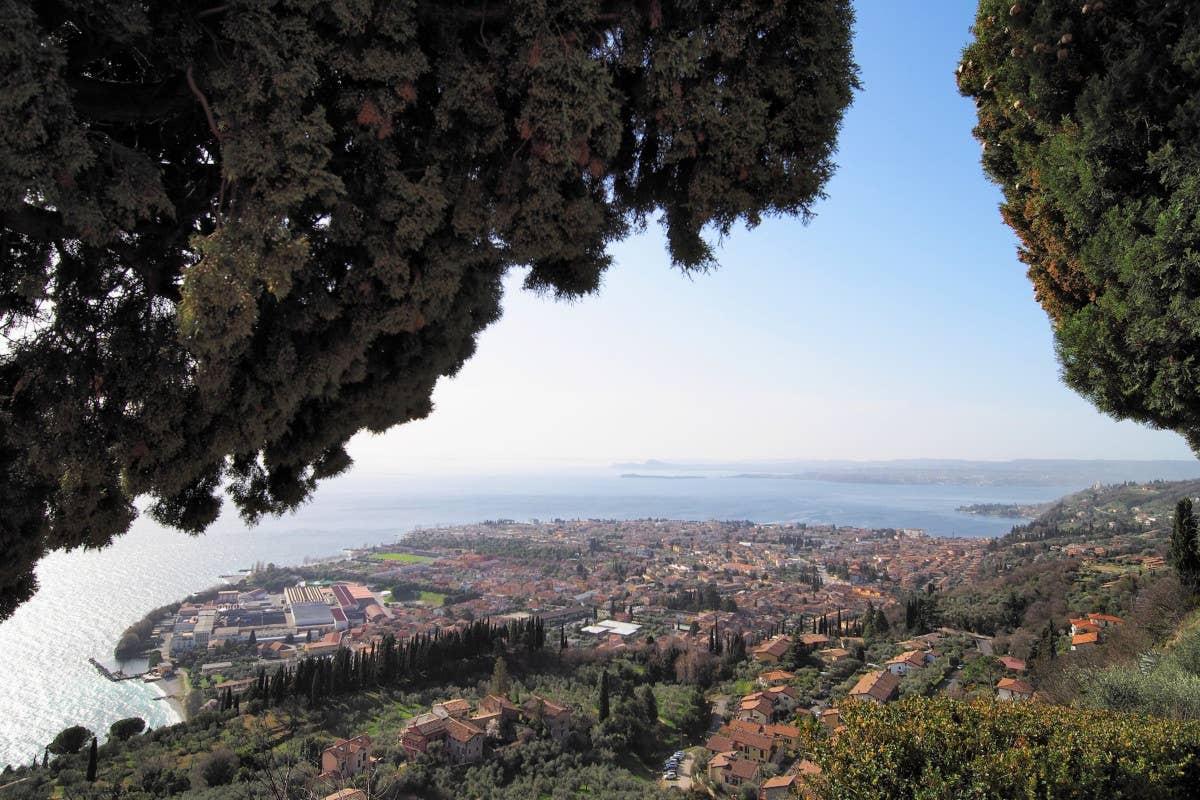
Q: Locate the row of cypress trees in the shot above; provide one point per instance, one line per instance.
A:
(392, 661)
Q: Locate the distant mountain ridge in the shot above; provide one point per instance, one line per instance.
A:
(1017, 472)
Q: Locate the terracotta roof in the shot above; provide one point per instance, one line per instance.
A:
(756, 740)
(776, 647)
(719, 744)
(1015, 686)
(461, 731)
(779, 782)
(784, 731)
(346, 794)
(1085, 638)
(454, 707)
(879, 685)
(914, 658)
(744, 768)
(362, 741)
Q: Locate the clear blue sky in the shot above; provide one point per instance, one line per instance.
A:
(899, 323)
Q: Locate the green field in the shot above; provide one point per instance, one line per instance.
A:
(433, 597)
(408, 558)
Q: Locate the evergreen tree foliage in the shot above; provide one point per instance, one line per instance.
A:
(1184, 552)
(92, 758)
(233, 235)
(696, 717)
(69, 740)
(602, 705)
(936, 747)
(500, 681)
(127, 728)
(1089, 114)
(391, 662)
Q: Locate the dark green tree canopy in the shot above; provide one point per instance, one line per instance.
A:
(1089, 114)
(70, 740)
(126, 728)
(234, 234)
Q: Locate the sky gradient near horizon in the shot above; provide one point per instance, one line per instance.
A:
(898, 323)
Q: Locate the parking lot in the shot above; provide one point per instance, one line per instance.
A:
(683, 773)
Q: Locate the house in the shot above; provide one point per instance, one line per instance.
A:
(773, 677)
(756, 708)
(556, 718)
(463, 740)
(1084, 641)
(833, 655)
(784, 735)
(1079, 626)
(770, 652)
(276, 649)
(347, 794)
(346, 758)
(778, 788)
(374, 613)
(814, 639)
(728, 769)
(458, 708)
(749, 740)
(906, 662)
(1012, 664)
(326, 645)
(719, 743)
(497, 709)
(1013, 689)
(786, 698)
(878, 687)
(1104, 620)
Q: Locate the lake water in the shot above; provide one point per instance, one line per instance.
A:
(88, 598)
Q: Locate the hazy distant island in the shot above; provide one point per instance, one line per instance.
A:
(662, 477)
(1009, 510)
(949, 472)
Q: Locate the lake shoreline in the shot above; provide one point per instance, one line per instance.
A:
(174, 692)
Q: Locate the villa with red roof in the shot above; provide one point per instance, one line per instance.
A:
(1013, 689)
(878, 687)
(346, 758)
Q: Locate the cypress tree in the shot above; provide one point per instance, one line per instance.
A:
(1087, 116)
(602, 706)
(1184, 552)
(92, 757)
(500, 681)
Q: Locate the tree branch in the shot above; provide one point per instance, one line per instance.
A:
(212, 122)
